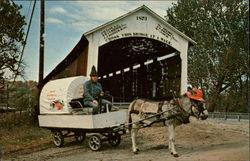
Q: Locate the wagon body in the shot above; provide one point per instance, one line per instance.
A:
(99, 121)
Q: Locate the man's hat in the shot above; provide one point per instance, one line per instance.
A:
(196, 94)
(93, 71)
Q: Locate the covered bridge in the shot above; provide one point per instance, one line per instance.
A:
(137, 54)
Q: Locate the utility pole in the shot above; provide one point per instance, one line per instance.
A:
(41, 57)
(42, 36)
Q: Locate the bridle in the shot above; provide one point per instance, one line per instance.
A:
(198, 105)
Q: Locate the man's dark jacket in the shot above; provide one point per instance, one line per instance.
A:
(92, 90)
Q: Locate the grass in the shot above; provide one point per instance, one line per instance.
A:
(22, 137)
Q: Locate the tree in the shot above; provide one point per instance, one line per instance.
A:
(219, 62)
(11, 39)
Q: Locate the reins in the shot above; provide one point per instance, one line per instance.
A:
(126, 126)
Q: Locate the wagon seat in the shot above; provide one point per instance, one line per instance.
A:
(77, 105)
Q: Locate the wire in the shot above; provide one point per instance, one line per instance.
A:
(28, 11)
(19, 62)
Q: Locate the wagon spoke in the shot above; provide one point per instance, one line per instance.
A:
(58, 138)
(95, 143)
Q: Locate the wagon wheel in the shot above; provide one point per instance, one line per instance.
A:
(95, 142)
(114, 139)
(58, 138)
(80, 136)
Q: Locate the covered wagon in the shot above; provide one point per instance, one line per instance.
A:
(62, 111)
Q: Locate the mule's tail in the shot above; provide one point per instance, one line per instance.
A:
(130, 108)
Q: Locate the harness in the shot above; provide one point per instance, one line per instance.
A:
(177, 112)
(174, 113)
(184, 116)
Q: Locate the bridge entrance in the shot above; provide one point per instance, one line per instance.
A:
(139, 67)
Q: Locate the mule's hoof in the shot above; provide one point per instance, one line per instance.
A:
(175, 155)
(135, 152)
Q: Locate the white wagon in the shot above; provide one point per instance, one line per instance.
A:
(62, 112)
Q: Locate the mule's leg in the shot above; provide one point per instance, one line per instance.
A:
(169, 142)
(172, 140)
(134, 131)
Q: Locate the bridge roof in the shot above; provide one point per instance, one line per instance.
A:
(145, 8)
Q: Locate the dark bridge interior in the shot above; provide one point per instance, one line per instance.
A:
(139, 67)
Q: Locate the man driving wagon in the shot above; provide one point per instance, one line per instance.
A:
(93, 93)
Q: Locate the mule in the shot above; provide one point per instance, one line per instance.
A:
(173, 113)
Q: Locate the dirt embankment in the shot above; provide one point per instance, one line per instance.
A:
(210, 140)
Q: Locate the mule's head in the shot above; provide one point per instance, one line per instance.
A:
(198, 109)
(197, 103)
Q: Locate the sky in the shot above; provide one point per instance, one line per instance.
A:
(66, 22)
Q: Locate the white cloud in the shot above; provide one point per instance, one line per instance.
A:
(82, 25)
(62, 11)
(54, 20)
(58, 10)
(104, 13)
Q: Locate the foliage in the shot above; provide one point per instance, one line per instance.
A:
(11, 39)
(23, 98)
(219, 62)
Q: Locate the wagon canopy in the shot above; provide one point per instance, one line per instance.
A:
(56, 94)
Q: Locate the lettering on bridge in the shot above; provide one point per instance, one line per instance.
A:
(165, 32)
(107, 33)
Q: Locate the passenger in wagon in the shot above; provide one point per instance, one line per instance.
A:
(93, 93)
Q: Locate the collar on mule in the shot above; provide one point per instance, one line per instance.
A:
(184, 115)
